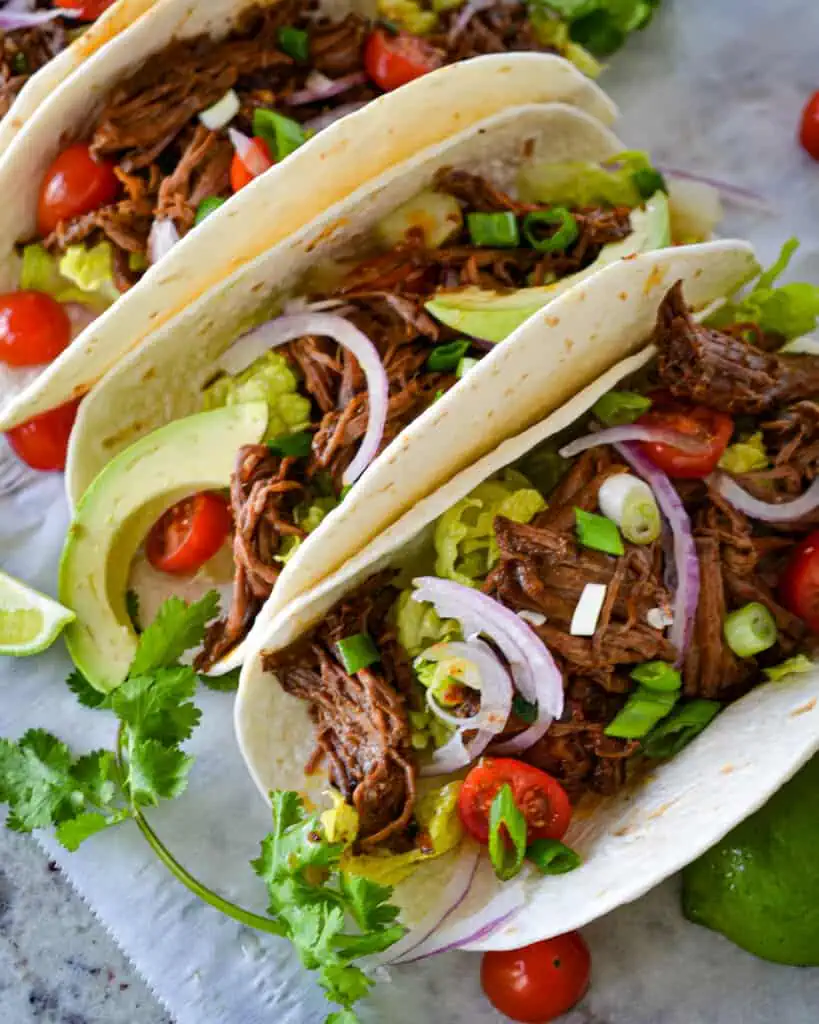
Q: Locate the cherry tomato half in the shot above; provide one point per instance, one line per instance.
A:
(42, 441)
(809, 128)
(541, 798)
(540, 982)
(87, 10)
(239, 173)
(712, 430)
(799, 585)
(189, 534)
(393, 60)
(74, 184)
(34, 328)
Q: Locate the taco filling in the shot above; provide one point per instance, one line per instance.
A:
(591, 608)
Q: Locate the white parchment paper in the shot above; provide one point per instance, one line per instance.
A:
(715, 86)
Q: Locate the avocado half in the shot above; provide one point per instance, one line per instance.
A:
(490, 316)
(115, 513)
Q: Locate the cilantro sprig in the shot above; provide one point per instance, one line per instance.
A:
(331, 918)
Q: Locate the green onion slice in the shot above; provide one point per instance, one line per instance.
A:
(295, 42)
(678, 730)
(445, 358)
(525, 711)
(507, 834)
(648, 181)
(750, 630)
(552, 857)
(282, 134)
(493, 230)
(298, 445)
(618, 408)
(657, 675)
(598, 533)
(465, 365)
(640, 714)
(207, 207)
(357, 652)
(640, 517)
(553, 241)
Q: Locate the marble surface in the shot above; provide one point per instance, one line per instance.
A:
(700, 102)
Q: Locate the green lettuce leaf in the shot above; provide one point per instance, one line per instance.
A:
(81, 275)
(745, 456)
(617, 182)
(791, 666)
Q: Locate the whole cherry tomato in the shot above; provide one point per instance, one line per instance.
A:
(711, 430)
(809, 128)
(541, 798)
(393, 60)
(799, 585)
(75, 183)
(241, 174)
(34, 328)
(42, 441)
(189, 534)
(540, 982)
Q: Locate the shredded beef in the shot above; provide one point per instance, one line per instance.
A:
(722, 371)
(23, 52)
(362, 725)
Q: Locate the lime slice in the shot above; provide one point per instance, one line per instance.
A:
(29, 621)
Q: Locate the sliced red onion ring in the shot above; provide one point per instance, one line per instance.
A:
(319, 87)
(533, 668)
(161, 240)
(80, 316)
(455, 892)
(467, 13)
(12, 19)
(629, 432)
(251, 156)
(731, 193)
(686, 596)
(321, 121)
(287, 328)
(766, 511)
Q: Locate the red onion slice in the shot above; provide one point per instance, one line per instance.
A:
(321, 121)
(251, 156)
(629, 432)
(731, 193)
(11, 20)
(162, 238)
(287, 328)
(687, 565)
(533, 668)
(467, 13)
(766, 511)
(319, 87)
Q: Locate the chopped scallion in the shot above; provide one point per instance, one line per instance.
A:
(507, 834)
(750, 630)
(493, 230)
(445, 358)
(298, 445)
(523, 710)
(648, 181)
(465, 365)
(552, 857)
(641, 712)
(640, 520)
(678, 730)
(552, 240)
(598, 533)
(295, 42)
(657, 675)
(620, 407)
(282, 134)
(207, 207)
(357, 652)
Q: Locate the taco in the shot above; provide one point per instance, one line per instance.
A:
(355, 358)
(41, 44)
(191, 105)
(588, 654)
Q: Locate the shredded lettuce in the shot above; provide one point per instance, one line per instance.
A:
(583, 183)
(437, 815)
(789, 310)
(411, 15)
(745, 456)
(80, 275)
(269, 379)
(308, 515)
(465, 545)
(791, 666)
(601, 26)
(419, 625)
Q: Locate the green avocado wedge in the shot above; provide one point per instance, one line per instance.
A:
(115, 513)
(490, 316)
(760, 885)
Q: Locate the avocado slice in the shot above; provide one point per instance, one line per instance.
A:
(115, 513)
(491, 316)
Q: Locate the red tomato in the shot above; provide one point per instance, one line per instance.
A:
(809, 129)
(799, 585)
(189, 534)
(74, 184)
(392, 61)
(34, 328)
(711, 429)
(42, 442)
(88, 10)
(541, 798)
(239, 173)
(538, 983)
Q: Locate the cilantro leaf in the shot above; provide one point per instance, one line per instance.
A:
(94, 775)
(343, 1017)
(177, 628)
(367, 902)
(156, 772)
(344, 984)
(225, 683)
(35, 780)
(157, 706)
(75, 831)
(84, 691)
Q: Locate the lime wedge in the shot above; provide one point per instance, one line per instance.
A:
(29, 621)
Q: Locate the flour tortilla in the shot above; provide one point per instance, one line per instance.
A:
(322, 172)
(629, 843)
(51, 77)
